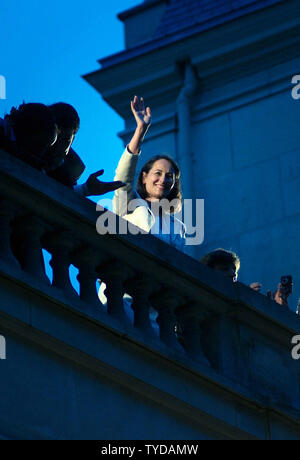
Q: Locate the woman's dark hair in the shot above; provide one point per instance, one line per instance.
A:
(65, 116)
(175, 192)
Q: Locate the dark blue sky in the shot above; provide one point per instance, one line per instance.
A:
(45, 47)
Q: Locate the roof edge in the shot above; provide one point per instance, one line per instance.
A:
(160, 42)
(139, 8)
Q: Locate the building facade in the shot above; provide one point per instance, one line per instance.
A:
(218, 77)
(73, 368)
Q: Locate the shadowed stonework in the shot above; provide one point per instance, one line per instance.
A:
(194, 356)
(78, 369)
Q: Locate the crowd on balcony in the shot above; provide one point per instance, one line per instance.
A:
(42, 136)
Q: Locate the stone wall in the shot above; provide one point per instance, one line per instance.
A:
(78, 369)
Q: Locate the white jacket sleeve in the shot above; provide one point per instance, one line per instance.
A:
(125, 172)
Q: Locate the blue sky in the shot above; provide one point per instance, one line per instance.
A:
(45, 47)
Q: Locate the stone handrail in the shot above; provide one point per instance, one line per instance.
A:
(205, 321)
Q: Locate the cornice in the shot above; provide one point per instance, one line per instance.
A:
(184, 33)
(220, 56)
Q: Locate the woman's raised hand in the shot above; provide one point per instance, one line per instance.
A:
(142, 117)
(141, 114)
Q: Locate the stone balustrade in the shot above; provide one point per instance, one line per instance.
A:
(235, 336)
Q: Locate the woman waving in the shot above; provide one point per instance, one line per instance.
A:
(150, 205)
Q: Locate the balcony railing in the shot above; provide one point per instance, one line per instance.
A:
(234, 336)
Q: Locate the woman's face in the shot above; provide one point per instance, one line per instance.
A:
(160, 180)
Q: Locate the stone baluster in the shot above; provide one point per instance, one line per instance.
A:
(61, 245)
(190, 316)
(221, 341)
(140, 289)
(114, 274)
(86, 261)
(29, 232)
(6, 215)
(165, 302)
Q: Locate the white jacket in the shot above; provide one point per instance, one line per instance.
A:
(128, 204)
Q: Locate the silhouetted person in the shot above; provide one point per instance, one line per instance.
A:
(28, 132)
(64, 164)
(229, 263)
(225, 261)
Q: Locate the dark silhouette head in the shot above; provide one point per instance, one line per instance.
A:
(226, 261)
(67, 120)
(34, 128)
(66, 116)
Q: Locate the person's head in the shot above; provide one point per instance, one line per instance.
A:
(222, 260)
(34, 128)
(160, 178)
(67, 121)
